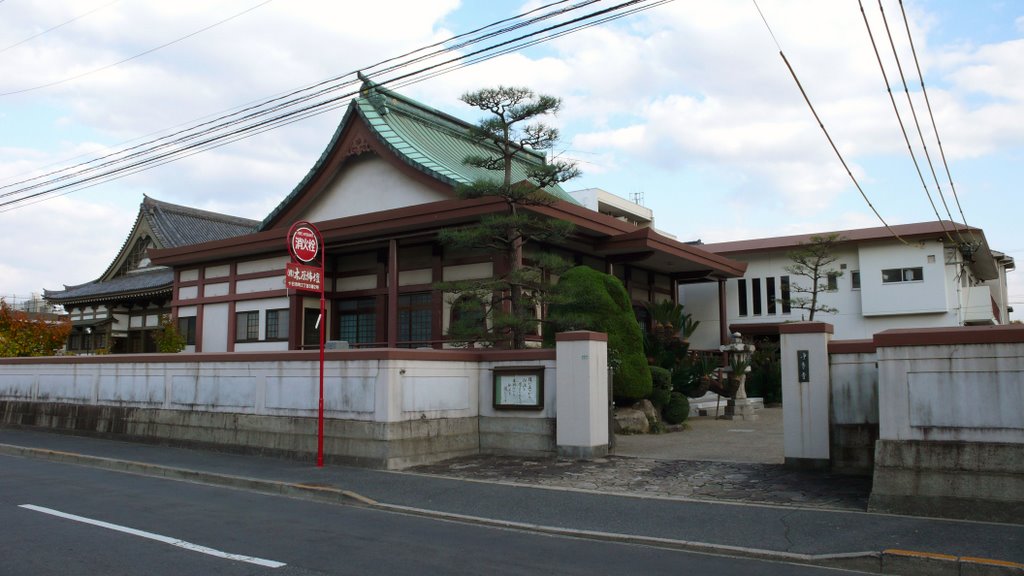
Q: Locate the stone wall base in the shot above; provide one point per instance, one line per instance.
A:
(514, 435)
(852, 448)
(976, 481)
(386, 445)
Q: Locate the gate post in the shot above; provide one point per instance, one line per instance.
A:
(805, 393)
(581, 396)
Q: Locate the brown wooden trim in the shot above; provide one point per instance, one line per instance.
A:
(806, 328)
(723, 315)
(258, 275)
(581, 336)
(232, 327)
(199, 327)
(437, 297)
(295, 321)
(445, 355)
(232, 298)
(392, 325)
(852, 347)
(1003, 334)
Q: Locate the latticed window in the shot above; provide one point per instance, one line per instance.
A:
(357, 320)
(137, 253)
(247, 326)
(187, 328)
(277, 324)
(415, 318)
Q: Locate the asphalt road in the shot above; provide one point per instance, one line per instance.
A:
(154, 527)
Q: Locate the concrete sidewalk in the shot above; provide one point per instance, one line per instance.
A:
(795, 533)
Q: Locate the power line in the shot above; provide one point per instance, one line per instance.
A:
(821, 124)
(228, 131)
(254, 111)
(52, 28)
(935, 128)
(899, 118)
(139, 55)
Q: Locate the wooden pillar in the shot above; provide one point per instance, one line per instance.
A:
(392, 293)
(723, 317)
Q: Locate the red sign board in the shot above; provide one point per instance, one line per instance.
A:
(302, 277)
(304, 244)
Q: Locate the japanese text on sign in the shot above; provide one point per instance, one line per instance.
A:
(304, 244)
(518, 389)
(302, 277)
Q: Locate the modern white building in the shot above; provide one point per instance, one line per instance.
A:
(929, 274)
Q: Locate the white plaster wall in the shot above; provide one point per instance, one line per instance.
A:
(365, 282)
(190, 275)
(369, 185)
(411, 277)
(467, 271)
(969, 393)
(215, 327)
(259, 285)
(928, 296)
(217, 271)
(188, 292)
(854, 381)
(218, 289)
(264, 265)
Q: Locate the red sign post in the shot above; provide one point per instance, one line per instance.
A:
(306, 245)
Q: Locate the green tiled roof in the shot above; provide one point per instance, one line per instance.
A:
(428, 139)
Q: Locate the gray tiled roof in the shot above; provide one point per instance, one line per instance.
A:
(176, 225)
(134, 284)
(173, 226)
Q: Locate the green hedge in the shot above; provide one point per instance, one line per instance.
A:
(592, 300)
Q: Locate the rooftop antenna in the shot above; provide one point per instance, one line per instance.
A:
(637, 198)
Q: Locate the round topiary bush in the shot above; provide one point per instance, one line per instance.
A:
(592, 300)
(660, 397)
(677, 410)
(661, 378)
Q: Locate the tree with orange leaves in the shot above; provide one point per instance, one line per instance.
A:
(23, 335)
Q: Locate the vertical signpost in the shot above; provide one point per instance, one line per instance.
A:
(306, 273)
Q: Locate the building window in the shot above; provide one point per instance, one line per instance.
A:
(893, 275)
(187, 328)
(755, 289)
(855, 279)
(247, 326)
(357, 320)
(741, 294)
(74, 341)
(277, 324)
(833, 281)
(311, 328)
(415, 317)
(770, 291)
(784, 285)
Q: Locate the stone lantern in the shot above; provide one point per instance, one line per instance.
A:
(739, 407)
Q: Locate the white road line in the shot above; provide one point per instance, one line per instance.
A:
(157, 537)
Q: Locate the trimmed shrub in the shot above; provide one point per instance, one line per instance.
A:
(592, 300)
(661, 378)
(660, 397)
(677, 410)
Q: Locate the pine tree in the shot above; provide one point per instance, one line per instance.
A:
(813, 261)
(502, 310)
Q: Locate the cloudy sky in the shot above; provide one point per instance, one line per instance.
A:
(687, 103)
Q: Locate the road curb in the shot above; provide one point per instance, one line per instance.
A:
(299, 489)
(889, 561)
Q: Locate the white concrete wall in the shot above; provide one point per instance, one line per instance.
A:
(927, 296)
(959, 393)
(366, 390)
